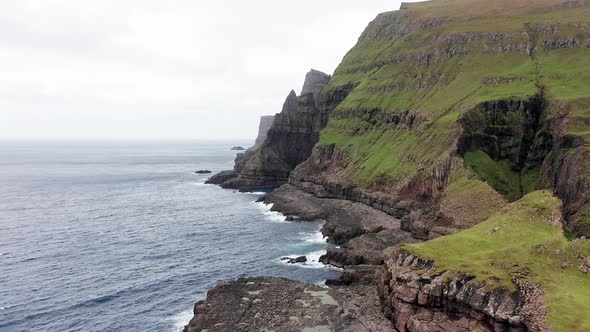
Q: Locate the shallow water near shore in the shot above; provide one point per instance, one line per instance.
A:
(123, 236)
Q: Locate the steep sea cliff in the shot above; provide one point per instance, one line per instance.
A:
(448, 155)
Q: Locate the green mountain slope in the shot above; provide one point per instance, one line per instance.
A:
(503, 84)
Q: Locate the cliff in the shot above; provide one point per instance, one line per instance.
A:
(290, 139)
(314, 83)
(455, 104)
(453, 171)
(511, 272)
(263, 128)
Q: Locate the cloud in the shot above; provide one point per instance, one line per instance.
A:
(163, 69)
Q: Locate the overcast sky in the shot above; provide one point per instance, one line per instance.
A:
(146, 69)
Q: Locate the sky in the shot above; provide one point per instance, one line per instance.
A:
(168, 69)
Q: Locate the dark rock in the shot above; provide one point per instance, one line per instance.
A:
(203, 171)
(299, 259)
(367, 248)
(278, 304)
(357, 274)
(345, 220)
(419, 300)
(237, 148)
(315, 81)
(288, 142)
(221, 177)
(290, 104)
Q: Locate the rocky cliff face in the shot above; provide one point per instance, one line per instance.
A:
(450, 301)
(436, 115)
(290, 104)
(290, 139)
(263, 128)
(315, 81)
(450, 115)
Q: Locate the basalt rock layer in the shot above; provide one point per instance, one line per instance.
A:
(445, 302)
(278, 304)
(513, 272)
(289, 141)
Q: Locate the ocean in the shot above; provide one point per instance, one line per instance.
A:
(123, 236)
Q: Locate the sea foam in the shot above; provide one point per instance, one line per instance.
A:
(180, 320)
(269, 215)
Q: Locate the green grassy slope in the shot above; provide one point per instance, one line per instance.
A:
(522, 240)
(450, 56)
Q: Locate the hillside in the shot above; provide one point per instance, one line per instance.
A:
(453, 100)
(452, 173)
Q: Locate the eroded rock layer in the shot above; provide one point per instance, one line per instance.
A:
(278, 304)
(417, 302)
(289, 141)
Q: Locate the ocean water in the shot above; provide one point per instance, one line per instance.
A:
(123, 236)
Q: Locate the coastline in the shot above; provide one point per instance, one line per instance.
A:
(350, 227)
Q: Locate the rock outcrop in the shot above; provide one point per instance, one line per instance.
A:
(290, 104)
(294, 132)
(417, 302)
(344, 220)
(314, 83)
(278, 304)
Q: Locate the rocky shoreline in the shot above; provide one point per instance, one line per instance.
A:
(382, 287)
(422, 143)
(350, 303)
(278, 304)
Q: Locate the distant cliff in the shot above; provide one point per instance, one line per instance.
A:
(263, 128)
(290, 140)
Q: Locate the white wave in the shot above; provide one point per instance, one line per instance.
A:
(180, 320)
(269, 215)
(313, 261)
(254, 193)
(313, 237)
(322, 284)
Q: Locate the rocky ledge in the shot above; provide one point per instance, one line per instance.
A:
(419, 300)
(352, 224)
(279, 304)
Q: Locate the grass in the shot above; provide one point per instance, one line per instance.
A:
(498, 174)
(521, 239)
(418, 73)
(390, 74)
